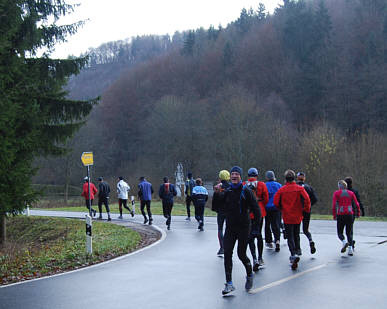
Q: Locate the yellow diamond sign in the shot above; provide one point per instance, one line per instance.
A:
(87, 158)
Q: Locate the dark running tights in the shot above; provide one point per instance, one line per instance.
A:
(347, 222)
(230, 237)
(259, 242)
(147, 204)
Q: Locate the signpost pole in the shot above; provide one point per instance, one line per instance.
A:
(88, 184)
(87, 160)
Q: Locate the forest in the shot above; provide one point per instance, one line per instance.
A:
(304, 87)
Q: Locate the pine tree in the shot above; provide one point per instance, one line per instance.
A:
(36, 117)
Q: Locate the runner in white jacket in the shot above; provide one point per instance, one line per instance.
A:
(122, 190)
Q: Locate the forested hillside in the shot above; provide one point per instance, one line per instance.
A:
(302, 88)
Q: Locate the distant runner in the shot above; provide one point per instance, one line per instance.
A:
(189, 185)
(306, 215)
(348, 180)
(199, 198)
(260, 190)
(166, 192)
(343, 212)
(103, 197)
(292, 200)
(85, 194)
(122, 191)
(145, 194)
(273, 215)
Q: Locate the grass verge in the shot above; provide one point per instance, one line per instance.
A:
(156, 208)
(40, 246)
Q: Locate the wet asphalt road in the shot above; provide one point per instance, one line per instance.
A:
(183, 271)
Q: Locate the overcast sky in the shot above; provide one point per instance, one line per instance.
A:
(120, 19)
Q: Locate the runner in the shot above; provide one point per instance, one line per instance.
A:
(306, 215)
(342, 209)
(199, 198)
(273, 215)
(122, 190)
(103, 197)
(292, 200)
(348, 180)
(166, 192)
(262, 196)
(85, 194)
(145, 194)
(189, 185)
(218, 207)
(239, 201)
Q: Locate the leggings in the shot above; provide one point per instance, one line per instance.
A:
(220, 219)
(105, 201)
(199, 214)
(89, 204)
(123, 202)
(188, 201)
(147, 204)
(259, 242)
(305, 225)
(272, 223)
(230, 238)
(347, 222)
(293, 233)
(167, 211)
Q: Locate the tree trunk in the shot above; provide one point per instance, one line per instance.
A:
(3, 229)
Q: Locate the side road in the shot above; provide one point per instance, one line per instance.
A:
(184, 271)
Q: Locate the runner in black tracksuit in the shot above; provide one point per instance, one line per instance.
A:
(306, 215)
(349, 180)
(239, 201)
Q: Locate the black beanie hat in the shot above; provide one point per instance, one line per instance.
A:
(237, 169)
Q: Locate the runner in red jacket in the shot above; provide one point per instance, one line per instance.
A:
(343, 212)
(292, 200)
(85, 194)
(260, 190)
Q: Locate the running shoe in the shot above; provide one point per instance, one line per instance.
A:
(249, 282)
(220, 251)
(228, 288)
(150, 221)
(312, 247)
(277, 246)
(255, 265)
(269, 245)
(100, 217)
(145, 220)
(345, 246)
(120, 217)
(294, 259)
(261, 262)
(188, 218)
(298, 252)
(109, 219)
(132, 213)
(350, 250)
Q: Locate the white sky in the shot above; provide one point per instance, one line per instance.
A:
(120, 19)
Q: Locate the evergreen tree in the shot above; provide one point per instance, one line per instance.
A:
(36, 117)
(189, 43)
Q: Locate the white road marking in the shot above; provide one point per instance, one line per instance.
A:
(276, 283)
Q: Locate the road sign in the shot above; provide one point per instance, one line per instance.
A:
(87, 158)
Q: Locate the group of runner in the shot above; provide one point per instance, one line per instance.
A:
(242, 207)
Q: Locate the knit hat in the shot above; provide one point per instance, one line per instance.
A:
(189, 175)
(252, 172)
(224, 175)
(237, 169)
(100, 178)
(270, 175)
(165, 179)
(301, 175)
